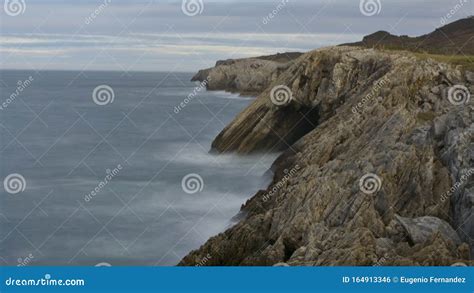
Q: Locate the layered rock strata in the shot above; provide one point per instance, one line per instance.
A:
(376, 169)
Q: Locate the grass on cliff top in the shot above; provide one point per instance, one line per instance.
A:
(467, 62)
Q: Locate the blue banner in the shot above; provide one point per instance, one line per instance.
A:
(237, 279)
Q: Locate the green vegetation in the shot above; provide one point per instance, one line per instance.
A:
(467, 62)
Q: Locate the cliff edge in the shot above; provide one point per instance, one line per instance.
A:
(376, 169)
(247, 76)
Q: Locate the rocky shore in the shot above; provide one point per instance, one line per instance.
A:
(249, 76)
(376, 165)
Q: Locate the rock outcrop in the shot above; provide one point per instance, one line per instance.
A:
(454, 39)
(377, 146)
(249, 76)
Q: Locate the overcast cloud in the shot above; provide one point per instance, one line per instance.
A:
(158, 36)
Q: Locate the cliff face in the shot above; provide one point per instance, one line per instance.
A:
(249, 76)
(376, 169)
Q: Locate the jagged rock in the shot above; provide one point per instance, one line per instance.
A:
(249, 76)
(355, 115)
(470, 77)
(420, 229)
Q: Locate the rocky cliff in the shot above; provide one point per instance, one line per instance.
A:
(376, 169)
(248, 76)
(455, 38)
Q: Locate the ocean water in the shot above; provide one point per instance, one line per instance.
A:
(98, 178)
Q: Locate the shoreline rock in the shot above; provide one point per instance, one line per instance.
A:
(404, 134)
(248, 76)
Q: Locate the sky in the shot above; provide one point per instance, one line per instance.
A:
(154, 35)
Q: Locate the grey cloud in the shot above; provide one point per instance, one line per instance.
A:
(159, 28)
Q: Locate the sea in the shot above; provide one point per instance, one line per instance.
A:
(115, 168)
